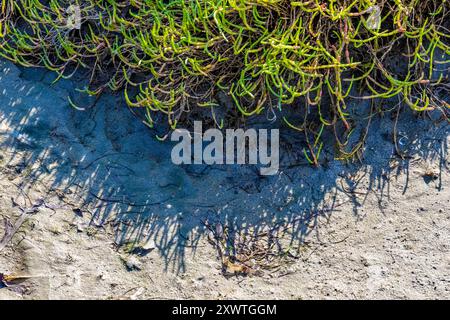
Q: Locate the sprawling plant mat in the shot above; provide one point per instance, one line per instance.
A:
(173, 57)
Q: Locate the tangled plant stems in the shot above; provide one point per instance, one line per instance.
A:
(178, 55)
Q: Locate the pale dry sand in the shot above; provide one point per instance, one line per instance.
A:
(93, 181)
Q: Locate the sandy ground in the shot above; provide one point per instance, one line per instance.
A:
(106, 215)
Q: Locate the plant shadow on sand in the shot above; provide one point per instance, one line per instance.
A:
(124, 176)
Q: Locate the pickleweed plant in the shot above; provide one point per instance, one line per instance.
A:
(173, 57)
